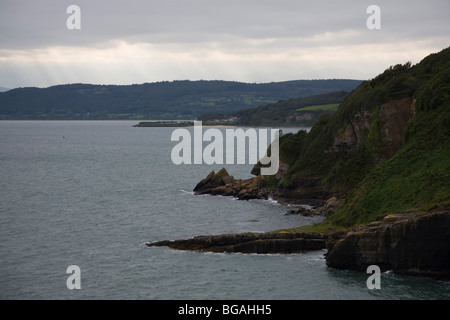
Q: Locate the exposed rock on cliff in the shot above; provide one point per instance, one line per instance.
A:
(387, 125)
(409, 243)
(261, 243)
(307, 191)
(329, 207)
(395, 116)
(350, 137)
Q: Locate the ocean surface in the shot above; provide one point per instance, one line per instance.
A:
(91, 193)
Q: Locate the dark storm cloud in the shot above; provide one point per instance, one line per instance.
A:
(33, 24)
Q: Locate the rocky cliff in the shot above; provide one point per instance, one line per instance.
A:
(386, 124)
(408, 243)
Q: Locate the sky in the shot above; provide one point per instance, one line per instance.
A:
(137, 41)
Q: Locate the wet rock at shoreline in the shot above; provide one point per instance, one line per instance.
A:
(408, 243)
(300, 211)
(330, 206)
(221, 183)
(260, 243)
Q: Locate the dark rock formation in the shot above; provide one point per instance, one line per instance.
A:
(212, 181)
(308, 191)
(261, 243)
(305, 191)
(409, 243)
(300, 211)
(393, 117)
(329, 207)
(350, 137)
(221, 183)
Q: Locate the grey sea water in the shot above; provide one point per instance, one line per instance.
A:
(91, 193)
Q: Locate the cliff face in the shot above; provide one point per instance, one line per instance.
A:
(395, 114)
(409, 243)
(386, 124)
(365, 140)
(350, 137)
(306, 191)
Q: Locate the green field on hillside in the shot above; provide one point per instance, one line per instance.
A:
(330, 107)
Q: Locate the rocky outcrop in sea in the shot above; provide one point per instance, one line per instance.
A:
(221, 183)
(260, 243)
(409, 243)
(309, 192)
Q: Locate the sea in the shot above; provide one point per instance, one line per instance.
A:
(90, 194)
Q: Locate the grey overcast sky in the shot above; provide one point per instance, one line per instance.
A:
(137, 41)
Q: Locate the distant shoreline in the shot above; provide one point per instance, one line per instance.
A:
(170, 124)
(205, 124)
(164, 124)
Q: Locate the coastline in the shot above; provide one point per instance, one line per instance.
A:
(393, 242)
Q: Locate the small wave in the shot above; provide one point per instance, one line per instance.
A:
(305, 206)
(211, 195)
(272, 201)
(187, 192)
(320, 258)
(268, 201)
(227, 197)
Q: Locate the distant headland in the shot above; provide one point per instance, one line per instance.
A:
(170, 124)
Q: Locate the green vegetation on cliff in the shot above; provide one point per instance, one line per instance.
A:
(387, 147)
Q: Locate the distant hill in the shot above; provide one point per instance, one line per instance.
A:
(159, 100)
(4, 89)
(293, 112)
